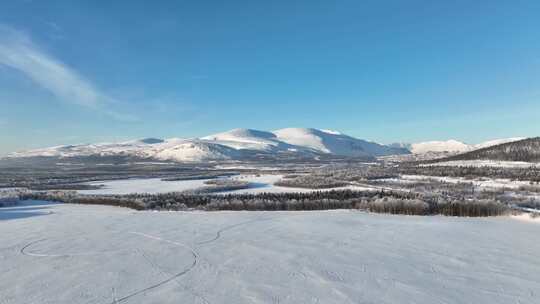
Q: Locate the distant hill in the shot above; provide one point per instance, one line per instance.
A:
(451, 146)
(440, 146)
(526, 150)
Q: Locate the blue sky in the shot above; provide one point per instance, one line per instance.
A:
(89, 71)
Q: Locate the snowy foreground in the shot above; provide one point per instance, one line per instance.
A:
(98, 254)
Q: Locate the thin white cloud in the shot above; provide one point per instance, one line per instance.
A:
(17, 51)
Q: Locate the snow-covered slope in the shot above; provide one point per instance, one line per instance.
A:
(495, 142)
(441, 149)
(249, 139)
(194, 151)
(300, 140)
(181, 150)
(333, 142)
(526, 150)
(134, 147)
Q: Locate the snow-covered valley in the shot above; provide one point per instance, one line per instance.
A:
(98, 254)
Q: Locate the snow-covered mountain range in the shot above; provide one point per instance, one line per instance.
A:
(241, 144)
(236, 144)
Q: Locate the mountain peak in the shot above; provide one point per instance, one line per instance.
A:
(240, 133)
(331, 132)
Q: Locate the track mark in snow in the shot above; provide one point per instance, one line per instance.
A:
(334, 276)
(173, 277)
(297, 274)
(166, 273)
(25, 251)
(220, 231)
(113, 294)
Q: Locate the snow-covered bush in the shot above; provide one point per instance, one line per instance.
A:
(471, 208)
(395, 206)
(9, 197)
(311, 182)
(72, 197)
(221, 185)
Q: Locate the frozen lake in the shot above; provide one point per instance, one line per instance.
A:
(143, 185)
(260, 183)
(97, 254)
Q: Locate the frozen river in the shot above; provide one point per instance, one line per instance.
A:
(98, 254)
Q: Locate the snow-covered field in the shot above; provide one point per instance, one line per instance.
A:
(484, 163)
(260, 183)
(99, 254)
(479, 182)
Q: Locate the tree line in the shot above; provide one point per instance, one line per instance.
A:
(374, 201)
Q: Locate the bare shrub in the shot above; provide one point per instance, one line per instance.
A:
(395, 206)
(311, 182)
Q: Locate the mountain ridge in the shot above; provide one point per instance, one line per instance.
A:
(242, 144)
(234, 144)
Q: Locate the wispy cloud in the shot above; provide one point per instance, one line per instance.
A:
(17, 51)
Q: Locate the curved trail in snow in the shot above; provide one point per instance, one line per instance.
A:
(193, 252)
(173, 277)
(25, 251)
(220, 231)
(166, 273)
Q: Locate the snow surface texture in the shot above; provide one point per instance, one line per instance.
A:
(99, 254)
(233, 144)
(259, 184)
